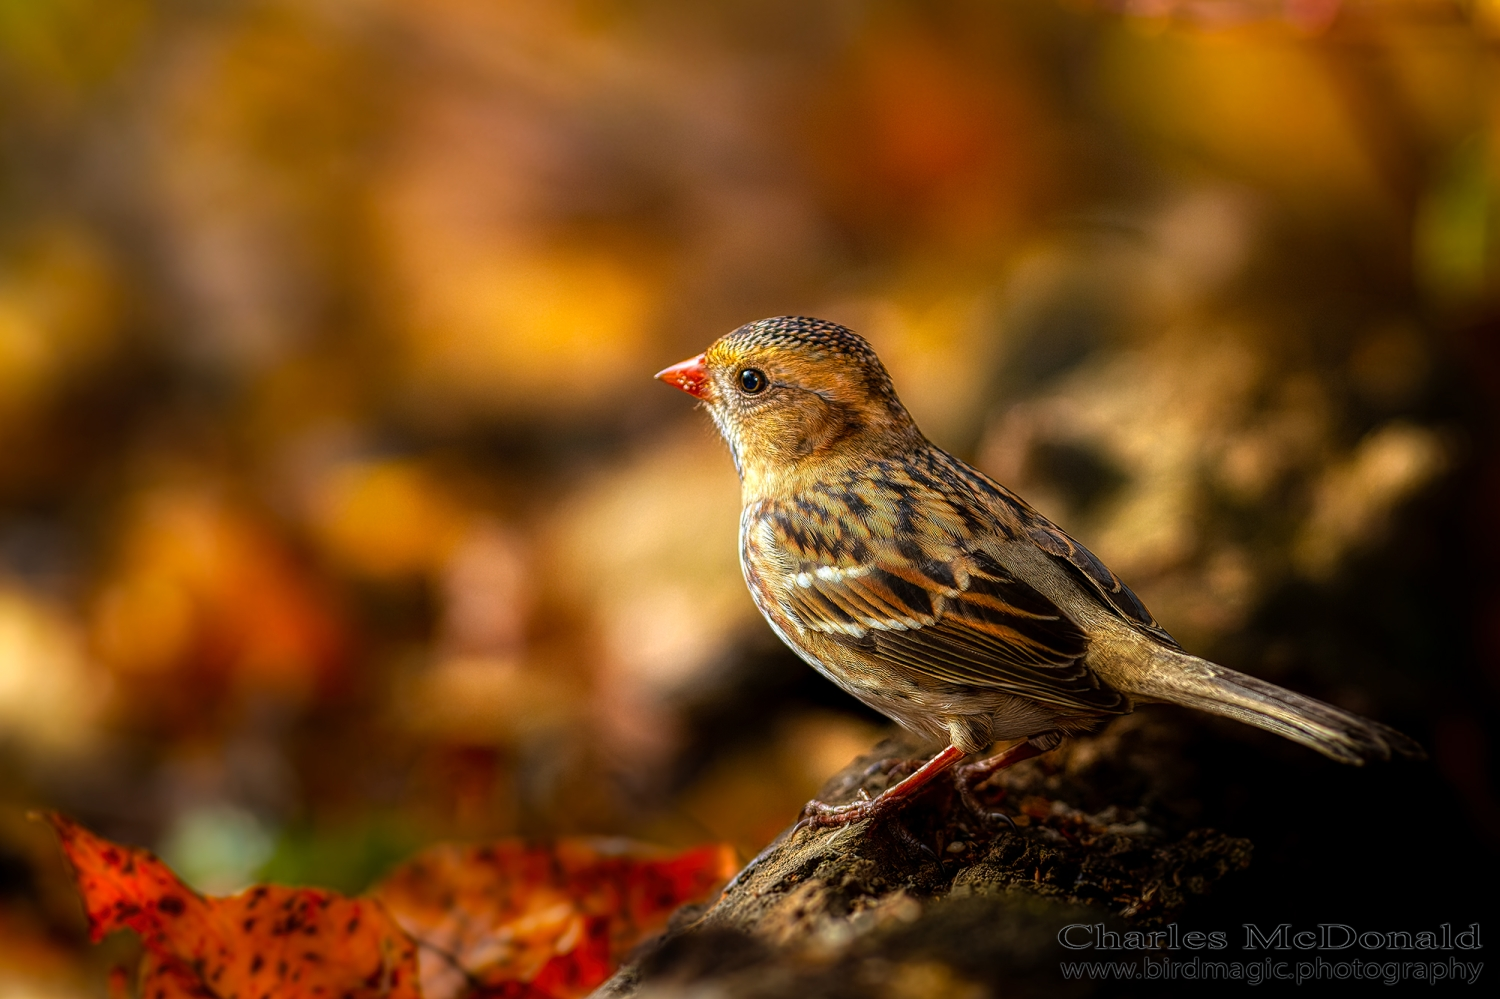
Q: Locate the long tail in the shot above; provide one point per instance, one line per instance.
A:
(1346, 737)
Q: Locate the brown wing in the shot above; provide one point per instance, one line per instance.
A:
(1097, 578)
(1051, 539)
(967, 621)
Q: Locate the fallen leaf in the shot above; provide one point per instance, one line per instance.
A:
(506, 920)
(266, 941)
(524, 921)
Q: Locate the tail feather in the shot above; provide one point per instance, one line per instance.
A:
(1341, 735)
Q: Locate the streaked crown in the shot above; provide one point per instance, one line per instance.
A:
(809, 338)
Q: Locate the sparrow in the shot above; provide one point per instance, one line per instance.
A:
(931, 592)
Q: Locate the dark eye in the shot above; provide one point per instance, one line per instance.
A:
(753, 381)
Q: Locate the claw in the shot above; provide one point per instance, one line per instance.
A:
(974, 805)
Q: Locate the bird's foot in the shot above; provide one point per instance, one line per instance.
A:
(883, 808)
(967, 787)
(821, 816)
(969, 777)
(817, 815)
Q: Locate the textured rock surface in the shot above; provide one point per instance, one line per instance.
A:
(945, 902)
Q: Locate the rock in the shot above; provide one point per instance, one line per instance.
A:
(940, 901)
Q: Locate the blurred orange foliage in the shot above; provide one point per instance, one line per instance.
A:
(202, 587)
(559, 917)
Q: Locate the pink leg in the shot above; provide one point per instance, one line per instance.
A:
(818, 815)
(984, 768)
(969, 777)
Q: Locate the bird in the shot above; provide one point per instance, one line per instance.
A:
(934, 594)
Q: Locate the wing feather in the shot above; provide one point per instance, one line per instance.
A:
(1019, 518)
(988, 629)
(897, 563)
(1086, 566)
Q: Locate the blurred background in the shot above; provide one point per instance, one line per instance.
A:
(339, 513)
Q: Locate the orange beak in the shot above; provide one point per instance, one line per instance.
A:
(690, 376)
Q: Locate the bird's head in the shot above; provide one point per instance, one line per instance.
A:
(793, 393)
